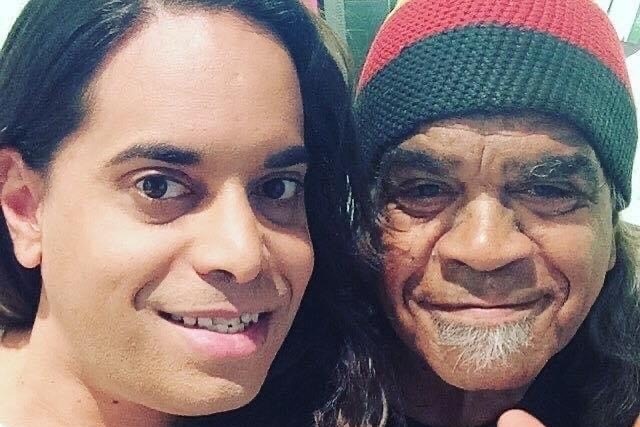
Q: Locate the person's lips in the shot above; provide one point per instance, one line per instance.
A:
(221, 334)
(492, 311)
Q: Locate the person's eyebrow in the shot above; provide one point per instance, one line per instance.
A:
(401, 158)
(554, 167)
(162, 152)
(286, 158)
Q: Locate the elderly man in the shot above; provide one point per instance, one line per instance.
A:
(497, 143)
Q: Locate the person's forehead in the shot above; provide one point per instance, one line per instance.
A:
(498, 137)
(516, 144)
(516, 125)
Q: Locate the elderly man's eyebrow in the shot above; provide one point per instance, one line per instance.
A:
(161, 152)
(555, 166)
(401, 158)
(286, 158)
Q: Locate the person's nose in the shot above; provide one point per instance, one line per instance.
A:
(485, 237)
(230, 241)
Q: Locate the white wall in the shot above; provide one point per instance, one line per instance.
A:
(633, 213)
(623, 14)
(9, 11)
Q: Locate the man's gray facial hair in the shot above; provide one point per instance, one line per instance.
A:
(482, 347)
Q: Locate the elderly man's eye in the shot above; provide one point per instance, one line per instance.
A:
(423, 191)
(550, 198)
(420, 198)
(549, 192)
(161, 187)
(419, 191)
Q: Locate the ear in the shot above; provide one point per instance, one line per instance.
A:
(613, 255)
(21, 200)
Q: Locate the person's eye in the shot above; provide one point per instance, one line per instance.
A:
(161, 187)
(422, 198)
(280, 188)
(280, 200)
(551, 192)
(550, 198)
(422, 192)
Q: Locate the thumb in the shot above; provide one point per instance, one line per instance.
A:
(517, 418)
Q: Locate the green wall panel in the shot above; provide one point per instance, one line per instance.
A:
(357, 21)
(634, 35)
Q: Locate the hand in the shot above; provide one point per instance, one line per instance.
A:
(517, 418)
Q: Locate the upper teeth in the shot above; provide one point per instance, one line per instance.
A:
(218, 324)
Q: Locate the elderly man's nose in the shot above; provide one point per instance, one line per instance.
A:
(485, 237)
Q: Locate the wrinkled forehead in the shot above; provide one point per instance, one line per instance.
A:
(510, 143)
(516, 125)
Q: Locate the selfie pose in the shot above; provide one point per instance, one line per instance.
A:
(155, 157)
(496, 147)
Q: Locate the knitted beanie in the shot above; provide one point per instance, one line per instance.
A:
(436, 59)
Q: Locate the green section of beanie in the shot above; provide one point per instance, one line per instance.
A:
(499, 70)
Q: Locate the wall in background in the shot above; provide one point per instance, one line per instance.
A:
(625, 15)
(312, 4)
(9, 11)
(357, 21)
(633, 213)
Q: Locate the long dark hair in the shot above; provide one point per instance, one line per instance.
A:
(604, 357)
(324, 372)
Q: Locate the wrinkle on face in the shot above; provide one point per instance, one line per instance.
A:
(493, 212)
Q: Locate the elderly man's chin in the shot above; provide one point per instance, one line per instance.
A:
(516, 372)
(486, 356)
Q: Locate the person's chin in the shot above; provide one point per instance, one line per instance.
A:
(515, 373)
(459, 366)
(210, 397)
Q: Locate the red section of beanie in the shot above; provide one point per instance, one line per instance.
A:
(578, 22)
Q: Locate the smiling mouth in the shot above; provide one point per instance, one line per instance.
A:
(462, 307)
(487, 313)
(227, 325)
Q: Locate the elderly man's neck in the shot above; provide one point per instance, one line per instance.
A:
(431, 401)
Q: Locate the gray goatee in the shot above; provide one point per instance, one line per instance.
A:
(483, 347)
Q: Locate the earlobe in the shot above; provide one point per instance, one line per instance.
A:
(613, 255)
(21, 198)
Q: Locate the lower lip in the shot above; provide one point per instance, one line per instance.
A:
(487, 315)
(215, 345)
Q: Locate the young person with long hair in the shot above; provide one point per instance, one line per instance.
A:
(157, 163)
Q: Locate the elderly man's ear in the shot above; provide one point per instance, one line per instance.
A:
(613, 255)
(21, 191)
